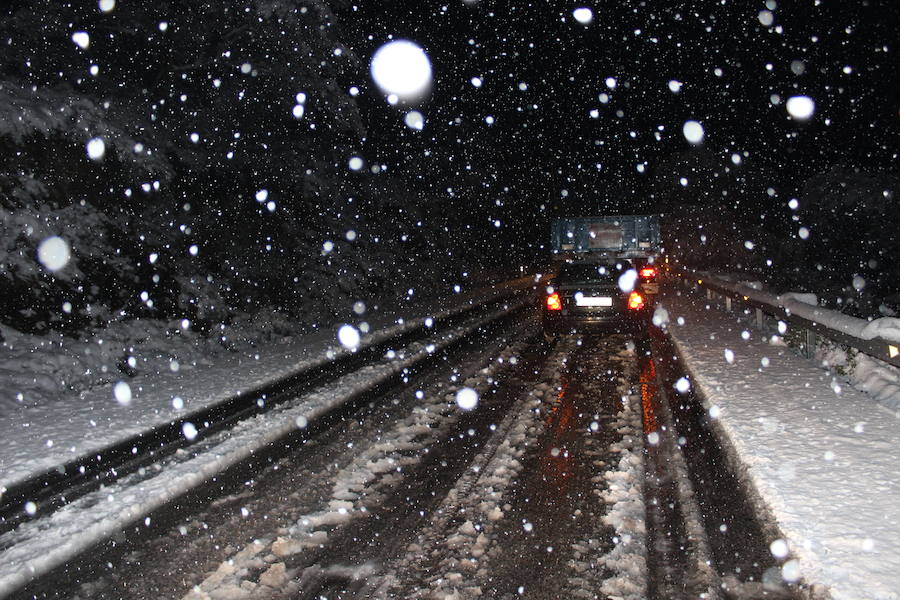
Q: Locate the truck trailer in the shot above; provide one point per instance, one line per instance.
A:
(626, 236)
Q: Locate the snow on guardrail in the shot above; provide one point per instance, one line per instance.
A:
(878, 338)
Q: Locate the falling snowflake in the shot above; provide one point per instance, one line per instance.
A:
(583, 15)
(54, 253)
(401, 68)
(189, 430)
(122, 393)
(96, 148)
(349, 337)
(628, 280)
(693, 132)
(466, 398)
(415, 120)
(800, 107)
(81, 39)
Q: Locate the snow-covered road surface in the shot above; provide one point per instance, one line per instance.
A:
(555, 510)
(413, 495)
(538, 490)
(35, 548)
(41, 438)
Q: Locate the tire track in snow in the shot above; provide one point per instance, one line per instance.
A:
(467, 552)
(444, 561)
(610, 560)
(289, 563)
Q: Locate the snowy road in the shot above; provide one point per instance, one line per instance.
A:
(412, 496)
(481, 463)
(536, 490)
(37, 546)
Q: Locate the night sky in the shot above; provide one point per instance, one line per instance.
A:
(737, 74)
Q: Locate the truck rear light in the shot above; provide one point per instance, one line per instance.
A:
(635, 301)
(553, 302)
(648, 273)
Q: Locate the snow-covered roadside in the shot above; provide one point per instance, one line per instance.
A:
(41, 437)
(874, 376)
(36, 547)
(822, 456)
(877, 378)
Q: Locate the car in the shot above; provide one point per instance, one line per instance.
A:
(597, 296)
(647, 282)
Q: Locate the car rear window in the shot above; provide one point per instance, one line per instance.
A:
(593, 271)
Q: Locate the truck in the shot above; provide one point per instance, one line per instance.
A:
(626, 236)
(635, 237)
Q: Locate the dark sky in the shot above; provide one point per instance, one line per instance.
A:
(841, 54)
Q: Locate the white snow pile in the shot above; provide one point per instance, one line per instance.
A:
(805, 306)
(822, 456)
(887, 328)
(877, 378)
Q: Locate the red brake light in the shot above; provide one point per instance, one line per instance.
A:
(553, 302)
(635, 301)
(648, 273)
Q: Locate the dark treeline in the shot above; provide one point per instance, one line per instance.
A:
(224, 186)
(228, 129)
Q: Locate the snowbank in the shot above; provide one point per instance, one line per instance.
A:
(822, 455)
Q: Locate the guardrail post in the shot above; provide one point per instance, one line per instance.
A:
(759, 318)
(728, 303)
(709, 294)
(809, 345)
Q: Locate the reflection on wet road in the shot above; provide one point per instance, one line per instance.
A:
(558, 450)
(555, 501)
(649, 394)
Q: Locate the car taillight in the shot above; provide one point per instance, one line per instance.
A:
(635, 301)
(648, 273)
(553, 302)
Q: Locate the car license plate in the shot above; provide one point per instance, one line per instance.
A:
(650, 288)
(593, 301)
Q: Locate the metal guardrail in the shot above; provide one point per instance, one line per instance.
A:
(786, 309)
